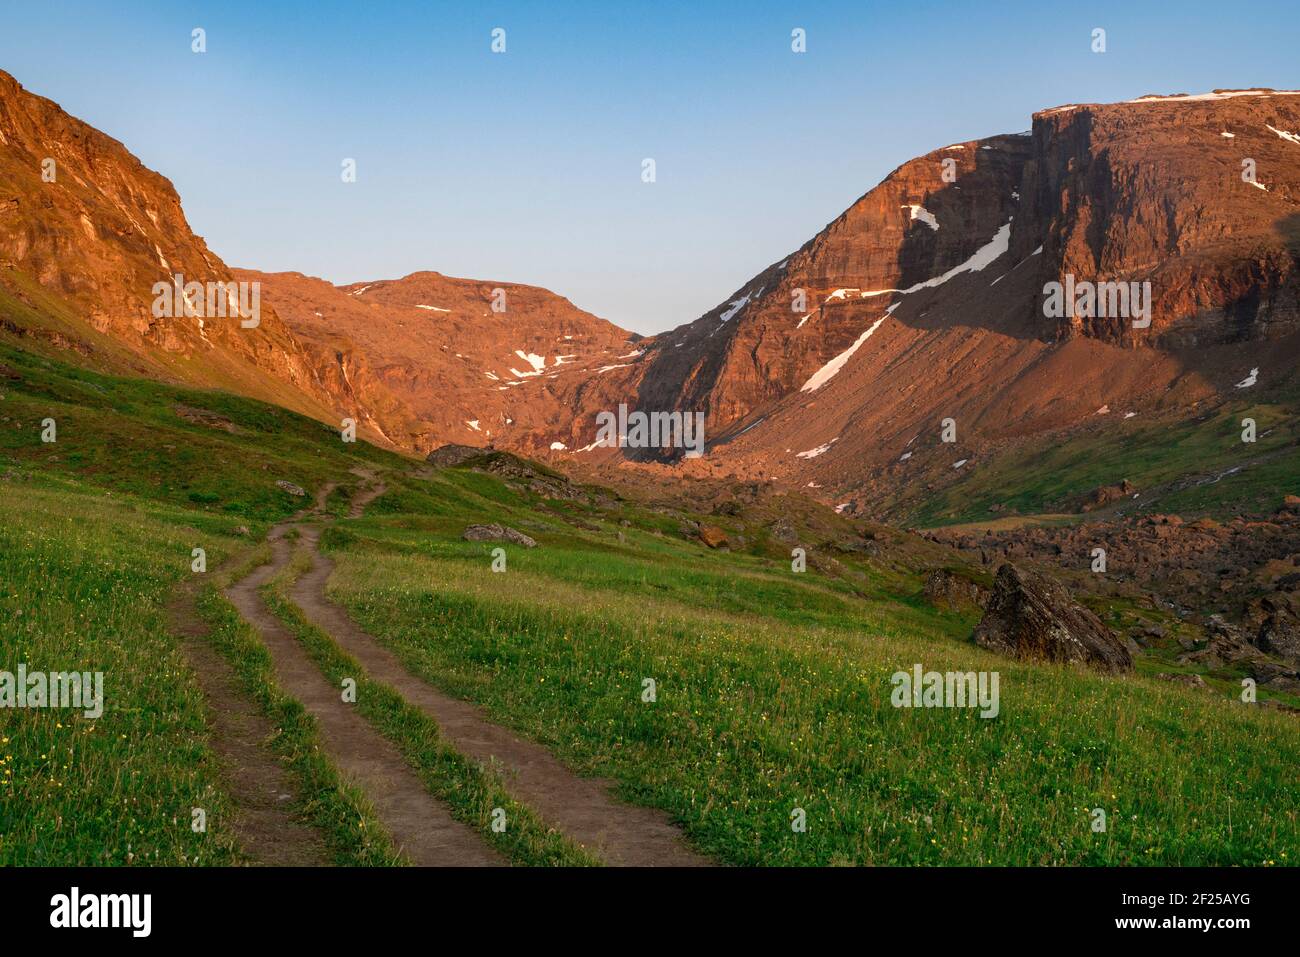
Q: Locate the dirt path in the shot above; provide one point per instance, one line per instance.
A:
(375, 487)
(421, 826)
(260, 788)
(582, 808)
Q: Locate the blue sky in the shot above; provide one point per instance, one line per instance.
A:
(526, 166)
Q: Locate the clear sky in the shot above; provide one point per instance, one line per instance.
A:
(526, 166)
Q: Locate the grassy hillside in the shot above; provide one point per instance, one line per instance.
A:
(1187, 467)
(98, 533)
(772, 687)
(773, 694)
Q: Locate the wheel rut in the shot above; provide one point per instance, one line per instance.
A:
(421, 826)
(260, 788)
(581, 808)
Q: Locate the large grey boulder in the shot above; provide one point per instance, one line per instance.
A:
(1034, 618)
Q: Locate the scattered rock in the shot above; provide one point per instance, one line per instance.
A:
(447, 456)
(497, 533)
(1032, 617)
(783, 531)
(241, 530)
(1223, 649)
(947, 589)
(713, 536)
(1106, 494)
(206, 418)
(1270, 674)
(1194, 681)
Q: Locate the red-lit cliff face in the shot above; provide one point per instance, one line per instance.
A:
(1198, 195)
(417, 362)
(927, 217)
(829, 370)
(926, 299)
(86, 231)
(427, 360)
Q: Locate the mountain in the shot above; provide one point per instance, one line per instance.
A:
(907, 362)
(87, 231)
(925, 301)
(426, 360)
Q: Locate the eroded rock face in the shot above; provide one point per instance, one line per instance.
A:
(447, 456)
(713, 536)
(493, 532)
(1279, 632)
(948, 590)
(1032, 617)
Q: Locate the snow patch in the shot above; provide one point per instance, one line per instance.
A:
(828, 371)
(1250, 380)
(557, 446)
(537, 362)
(1207, 97)
(923, 214)
(959, 463)
(986, 254)
(420, 305)
(736, 306)
(813, 453)
(1290, 137)
(473, 424)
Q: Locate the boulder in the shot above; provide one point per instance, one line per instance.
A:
(1106, 494)
(296, 490)
(1193, 681)
(497, 533)
(447, 456)
(1032, 617)
(947, 589)
(713, 536)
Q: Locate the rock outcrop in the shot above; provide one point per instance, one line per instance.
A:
(449, 456)
(497, 533)
(1031, 617)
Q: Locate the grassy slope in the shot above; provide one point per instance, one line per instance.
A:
(1044, 477)
(772, 687)
(773, 693)
(98, 531)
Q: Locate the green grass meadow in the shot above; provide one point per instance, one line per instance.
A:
(772, 688)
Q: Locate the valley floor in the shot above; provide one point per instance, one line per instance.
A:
(647, 699)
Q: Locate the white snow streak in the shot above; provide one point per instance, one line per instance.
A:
(828, 371)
